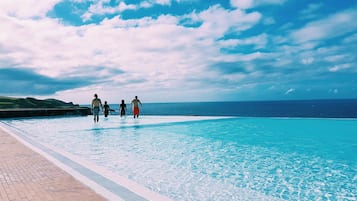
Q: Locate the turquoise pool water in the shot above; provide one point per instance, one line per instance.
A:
(199, 158)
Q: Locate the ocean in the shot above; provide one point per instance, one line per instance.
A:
(338, 108)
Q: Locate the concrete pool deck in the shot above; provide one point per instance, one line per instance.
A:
(27, 176)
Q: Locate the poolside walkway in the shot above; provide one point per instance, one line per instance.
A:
(27, 176)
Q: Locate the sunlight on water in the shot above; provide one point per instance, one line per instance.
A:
(215, 159)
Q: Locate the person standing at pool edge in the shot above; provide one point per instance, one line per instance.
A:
(96, 105)
(122, 108)
(106, 109)
(135, 106)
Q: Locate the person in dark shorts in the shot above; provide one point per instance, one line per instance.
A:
(106, 109)
(122, 108)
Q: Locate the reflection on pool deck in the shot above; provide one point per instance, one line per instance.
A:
(201, 158)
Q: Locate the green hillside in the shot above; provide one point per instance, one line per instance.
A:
(13, 103)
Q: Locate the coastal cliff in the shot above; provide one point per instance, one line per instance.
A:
(29, 107)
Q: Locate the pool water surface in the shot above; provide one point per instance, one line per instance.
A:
(214, 158)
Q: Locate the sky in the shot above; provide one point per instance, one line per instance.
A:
(178, 50)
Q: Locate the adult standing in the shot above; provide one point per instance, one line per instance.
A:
(96, 106)
(135, 106)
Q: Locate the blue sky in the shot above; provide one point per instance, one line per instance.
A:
(178, 50)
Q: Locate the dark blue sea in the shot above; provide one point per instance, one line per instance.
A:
(339, 108)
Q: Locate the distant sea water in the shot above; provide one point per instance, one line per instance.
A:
(337, 108)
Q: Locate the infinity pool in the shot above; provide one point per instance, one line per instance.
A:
(214, 158)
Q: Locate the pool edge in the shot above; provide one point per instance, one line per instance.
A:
(93, 185)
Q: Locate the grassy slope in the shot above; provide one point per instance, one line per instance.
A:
(12, 103)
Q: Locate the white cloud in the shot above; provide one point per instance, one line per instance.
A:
(311, 11)
(335, 58)
(269, 21)
(334, 25)
(246, 4)
(259, 41)
(100, 8)
(160, 56)
(163, 2)
(350, 39)
(333, 91)
(289, 91)
(243, 4)
(217, 21)
(54, 49)
(153, 53)
(311, 8)
(252, 56)
(145, 4)
(307, 61)
(26, 9)
(339, 67)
